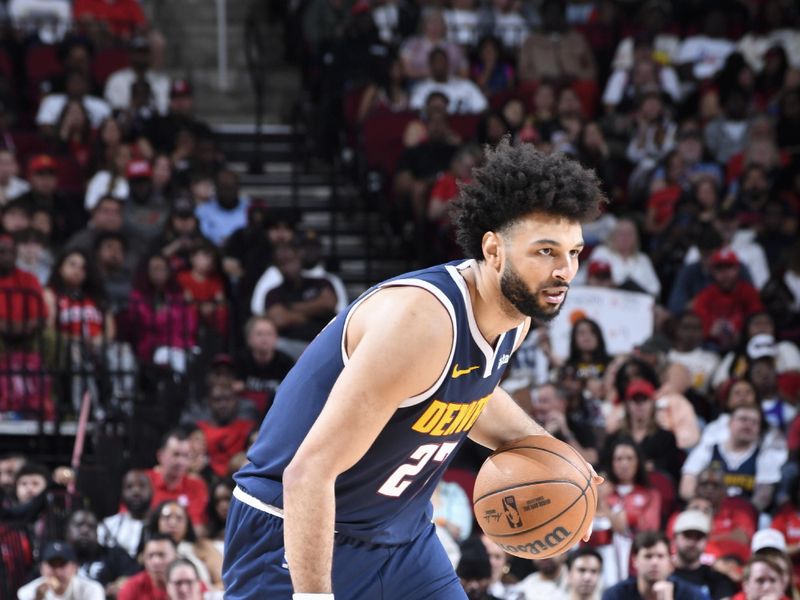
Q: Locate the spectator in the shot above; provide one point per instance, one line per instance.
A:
(625, 86)
(312, 259)
(108, 566)
(654, 573)
(549, 580)
(225, 431)
(654, 20)
(66, 214)
(34, 255)
(158, 551)
(166, 325)
(50, 19)
(687, 350)
(654, 136)
(163, 130)
(585, 568)
(557, 52)
(10, 464)
(491, 72)
(464, 96)
(691, 531)
(763, 580)
(111, 181)
(11, 186)
(391, 92)
(549, 408)
(118, 86)
(657, 445)
(503, 19)
(171, 481)
(261, 367)
(77, 87)
(22, 310)
(124, 529)
(171, 518)
(144, 212)
(218, 506)
(724, 305)
(106, 218)
(204, 288)
(501, 581)
(701, 56)
(120, 17)
(474, 570)
(587, 349)
(770, 543)
(300, 306)
(787, 522)
(181, 233)
(183, 581)
(629, 266)
(627, 499)
(60, 578)
(110, 256)
(415, 51)
(778, 404)
(750, 469)
(725, 135)
(226, 213)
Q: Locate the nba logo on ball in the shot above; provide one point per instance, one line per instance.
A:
(512, 514)
(546, 492)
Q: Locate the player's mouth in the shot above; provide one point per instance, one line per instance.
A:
(554, 295)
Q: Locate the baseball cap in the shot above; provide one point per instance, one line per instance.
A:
(58, 550)
(180, 87)
(599, 268)
(761, 346)
(138, 168)
(222, 360)
(182, 206)
(639, 387)
(41, 162)
(768, 538)
(724, 257)
(692, 520)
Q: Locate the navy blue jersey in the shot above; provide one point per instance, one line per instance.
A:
(385, 497)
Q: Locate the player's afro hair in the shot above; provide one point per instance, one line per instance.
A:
(516, 181)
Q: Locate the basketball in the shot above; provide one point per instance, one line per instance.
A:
(535, 498)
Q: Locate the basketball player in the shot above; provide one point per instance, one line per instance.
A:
(336, 497)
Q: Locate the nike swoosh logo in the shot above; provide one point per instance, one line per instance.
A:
(459, 372)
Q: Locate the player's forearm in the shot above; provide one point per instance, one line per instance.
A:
(502, 421)
(309, 515)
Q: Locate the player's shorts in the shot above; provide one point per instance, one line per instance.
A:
(255, 565)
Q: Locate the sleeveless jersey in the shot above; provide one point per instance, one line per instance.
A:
(742, 480)
(385, 497)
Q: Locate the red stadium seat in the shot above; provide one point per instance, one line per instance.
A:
(382, 139)
(42, 63)
(108, 61)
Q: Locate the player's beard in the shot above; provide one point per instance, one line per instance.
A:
(521, 298)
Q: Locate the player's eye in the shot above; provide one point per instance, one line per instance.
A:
(574, 253)
(546, 251)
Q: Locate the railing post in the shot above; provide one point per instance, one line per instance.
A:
(222, 44)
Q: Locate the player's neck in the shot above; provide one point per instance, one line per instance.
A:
(486, 298)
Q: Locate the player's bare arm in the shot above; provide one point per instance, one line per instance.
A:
(398, 341)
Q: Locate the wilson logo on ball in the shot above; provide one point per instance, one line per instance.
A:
(512, 513)
(551, 540)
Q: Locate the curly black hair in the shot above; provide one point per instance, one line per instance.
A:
(516, 181)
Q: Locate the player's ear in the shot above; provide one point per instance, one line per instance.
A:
(492, 245)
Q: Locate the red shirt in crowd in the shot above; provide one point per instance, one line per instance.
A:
(190, 493)
(642, 507)
(787, 521)
(122, 16)
(713, 304)
(141, 587)
(223, 442)
(21, 298)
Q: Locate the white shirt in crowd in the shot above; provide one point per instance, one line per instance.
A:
(464, 95)
(638, 268)
(79, 589)
(53, 105)
(510, 28)
(50, 17)
(13, 189)
(101, 185)
(462, 26)
(121, 530)
(665, 46)
(707, 54)
(618, 83)
(701, 364)
(769, 461)
(535, 586)
(118, 89)
(272, 278)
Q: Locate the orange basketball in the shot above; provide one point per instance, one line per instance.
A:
(535, 498)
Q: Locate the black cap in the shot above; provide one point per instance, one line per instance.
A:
(58, 550)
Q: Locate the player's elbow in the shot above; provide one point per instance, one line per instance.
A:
(302, 475)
